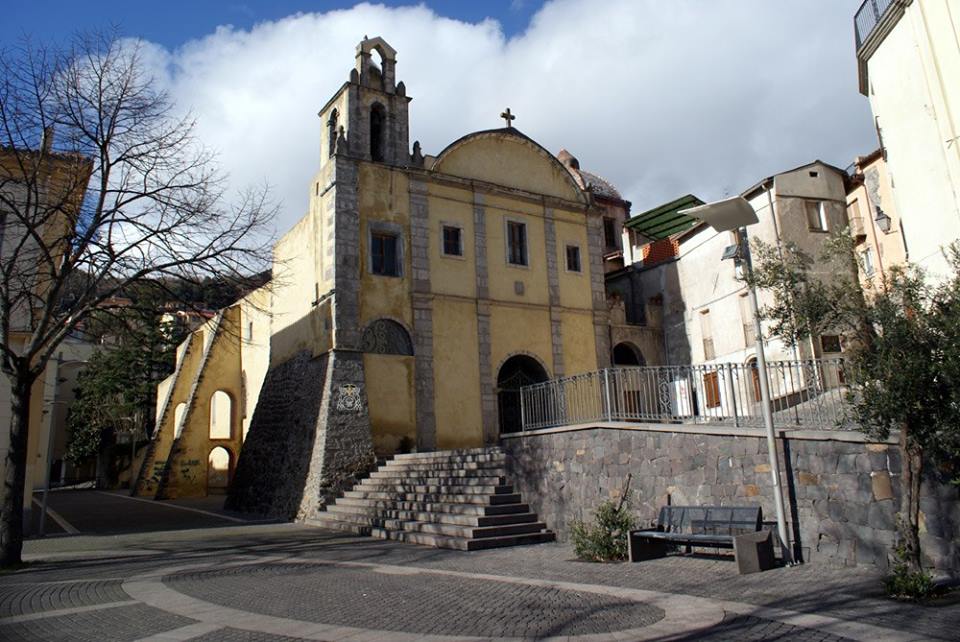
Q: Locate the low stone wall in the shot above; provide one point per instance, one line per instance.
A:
(842, 493)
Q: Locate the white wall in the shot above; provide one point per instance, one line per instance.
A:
(914, 91)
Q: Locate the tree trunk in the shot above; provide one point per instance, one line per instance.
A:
(11, 494)
(908, 519)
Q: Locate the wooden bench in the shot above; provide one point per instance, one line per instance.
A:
(736, 527)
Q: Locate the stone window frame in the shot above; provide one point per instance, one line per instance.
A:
(443, 250)
(566, 258)
(394, 229)
(507, 220)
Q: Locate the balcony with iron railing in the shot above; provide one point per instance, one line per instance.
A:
(868, 17)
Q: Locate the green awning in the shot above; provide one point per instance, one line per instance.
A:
(664, 221)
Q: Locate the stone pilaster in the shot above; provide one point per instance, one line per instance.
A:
(553, 285)
(422, 315)
(601, 317)
(488, 393)
(346, 258)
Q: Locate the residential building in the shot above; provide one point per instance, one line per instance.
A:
(908, 59)
(875, 223)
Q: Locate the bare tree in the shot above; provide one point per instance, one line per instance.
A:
(102, 187)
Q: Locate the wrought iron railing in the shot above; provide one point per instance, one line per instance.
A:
(868, 17)
(809, 394)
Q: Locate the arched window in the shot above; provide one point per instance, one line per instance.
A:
(626, 354)
(384, 336)
(218, 470)
(332, 131)
(378, 124)
(221, 409)
(178, 419)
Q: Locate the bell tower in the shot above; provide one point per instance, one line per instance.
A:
(368, 117)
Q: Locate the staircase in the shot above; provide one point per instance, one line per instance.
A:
(450, 499)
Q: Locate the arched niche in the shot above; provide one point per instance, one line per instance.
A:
(178, 413)
(221, 415)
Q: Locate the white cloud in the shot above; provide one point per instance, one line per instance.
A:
(661, 98)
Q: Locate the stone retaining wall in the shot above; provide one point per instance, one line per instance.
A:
(842, 493)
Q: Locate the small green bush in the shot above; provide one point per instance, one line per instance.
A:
(906, 584)
(606, 539)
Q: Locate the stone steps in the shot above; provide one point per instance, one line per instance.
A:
(436, 516)
(454, 499)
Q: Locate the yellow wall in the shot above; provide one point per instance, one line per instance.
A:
(384, 198)
(456, 374)
(575, 290)
(390, 395)
(510, 161)
(503, 276)
(521, 330)
(450, 274)
(579, 345)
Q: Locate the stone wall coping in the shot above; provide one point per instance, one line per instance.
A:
(701, 429)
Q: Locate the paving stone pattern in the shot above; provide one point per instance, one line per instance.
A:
(119, 624)
(36, 598)
(413, 604)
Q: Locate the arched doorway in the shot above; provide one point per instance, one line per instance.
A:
(516, 372)
(754, 379)
(218, 470)
(627, 354)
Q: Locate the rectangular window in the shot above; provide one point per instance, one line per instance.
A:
(383, 251)
(867, 257)
(711, 388)
(706, 331)
(610, 233)
(830, 343)
(452, 241)
(516, 243)
(816, 216)
(573, 258)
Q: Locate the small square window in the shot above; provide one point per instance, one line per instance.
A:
(452, 241)
(573, 258)
(516, 243)
(383, 252)
(830, 343)
(816, 216)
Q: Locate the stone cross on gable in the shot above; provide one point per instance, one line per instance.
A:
(507, 116)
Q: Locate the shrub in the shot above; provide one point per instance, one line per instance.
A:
(905, 583)
(606, 539)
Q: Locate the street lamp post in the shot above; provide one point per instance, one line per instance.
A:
(725, 216)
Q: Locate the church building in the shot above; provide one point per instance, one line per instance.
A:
(407, 307)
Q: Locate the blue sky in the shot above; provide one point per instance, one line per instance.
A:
(660, 97)
(173, 22)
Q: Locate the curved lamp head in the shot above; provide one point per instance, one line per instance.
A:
(726, 215)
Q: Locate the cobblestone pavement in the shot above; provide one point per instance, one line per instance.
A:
(287, 582)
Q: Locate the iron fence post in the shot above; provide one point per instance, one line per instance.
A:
(606, 389)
